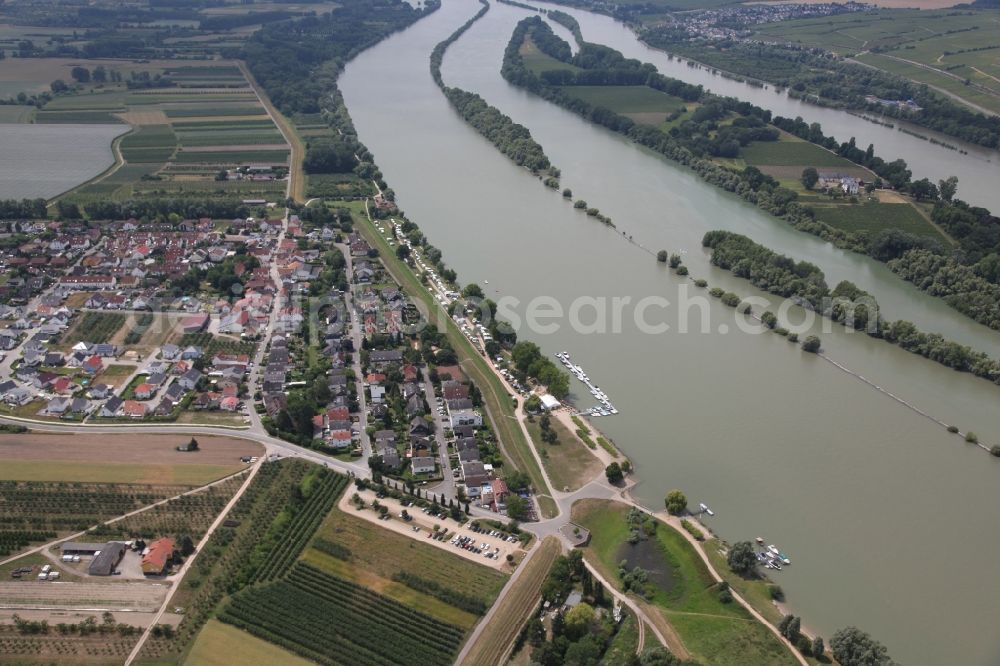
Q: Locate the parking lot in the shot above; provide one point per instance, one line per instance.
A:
(462, 540)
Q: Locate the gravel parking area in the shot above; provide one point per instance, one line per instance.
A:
(424, 525)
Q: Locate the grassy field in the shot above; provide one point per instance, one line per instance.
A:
(569, 463)
(964, 44)
(792, 152)
(498, 401)
(101, 472)
(539, 62)
(10, 113)
(379, 553)
(513, 610)
(389, 588)
(621, 652)
(871, 218)
(95, 327)
(713, 631)
(221, 644)
(627, 99)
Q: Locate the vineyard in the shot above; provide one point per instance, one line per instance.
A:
(190, 515)
(56, 647)
(298, 522)
(223, 567)
(96, 327)
(212, 345)
(57, 507)
(332, 621)
(12, 541)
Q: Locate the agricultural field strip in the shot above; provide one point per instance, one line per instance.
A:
(123, 516)
(333, 621)
(137, 596)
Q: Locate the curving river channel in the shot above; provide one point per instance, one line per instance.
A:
(889, 520)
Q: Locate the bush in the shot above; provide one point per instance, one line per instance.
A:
(692, 530)
(811, 344)
(953, 429)
(716, 292)
(580, 204)
(995, 450)
(675, 502)
(793, 337)
(661, 256)
(776, 592)
(730, 299)
(701, 283)
(567, 193)
(971, 437)
(682, 270)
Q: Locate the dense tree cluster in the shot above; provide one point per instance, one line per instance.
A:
(853, 647)
(530, 362)
(161, 208)
(766, 269)
(28, 209)
(962, 287)
(297, 62)
(846, 304)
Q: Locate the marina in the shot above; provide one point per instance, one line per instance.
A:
(770, 557)
(604, 406)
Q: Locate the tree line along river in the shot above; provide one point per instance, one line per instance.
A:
(888, 518)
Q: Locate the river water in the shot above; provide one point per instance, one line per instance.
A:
(886, 516)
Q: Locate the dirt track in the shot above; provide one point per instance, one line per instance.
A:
(133, 448)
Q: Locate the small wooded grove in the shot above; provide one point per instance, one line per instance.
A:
(846, 303)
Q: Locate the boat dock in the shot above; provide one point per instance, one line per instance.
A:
(604, 406)
(770, 557)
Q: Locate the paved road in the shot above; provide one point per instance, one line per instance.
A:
(447, 487)
(356, 338)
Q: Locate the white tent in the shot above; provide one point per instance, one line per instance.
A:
(549, 402)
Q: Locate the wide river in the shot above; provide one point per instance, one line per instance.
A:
(886, 516)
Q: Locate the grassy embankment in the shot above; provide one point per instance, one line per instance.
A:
(714, 632)
(569, 464)
(498, 401)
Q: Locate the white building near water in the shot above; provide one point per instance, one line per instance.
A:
(549, 402)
